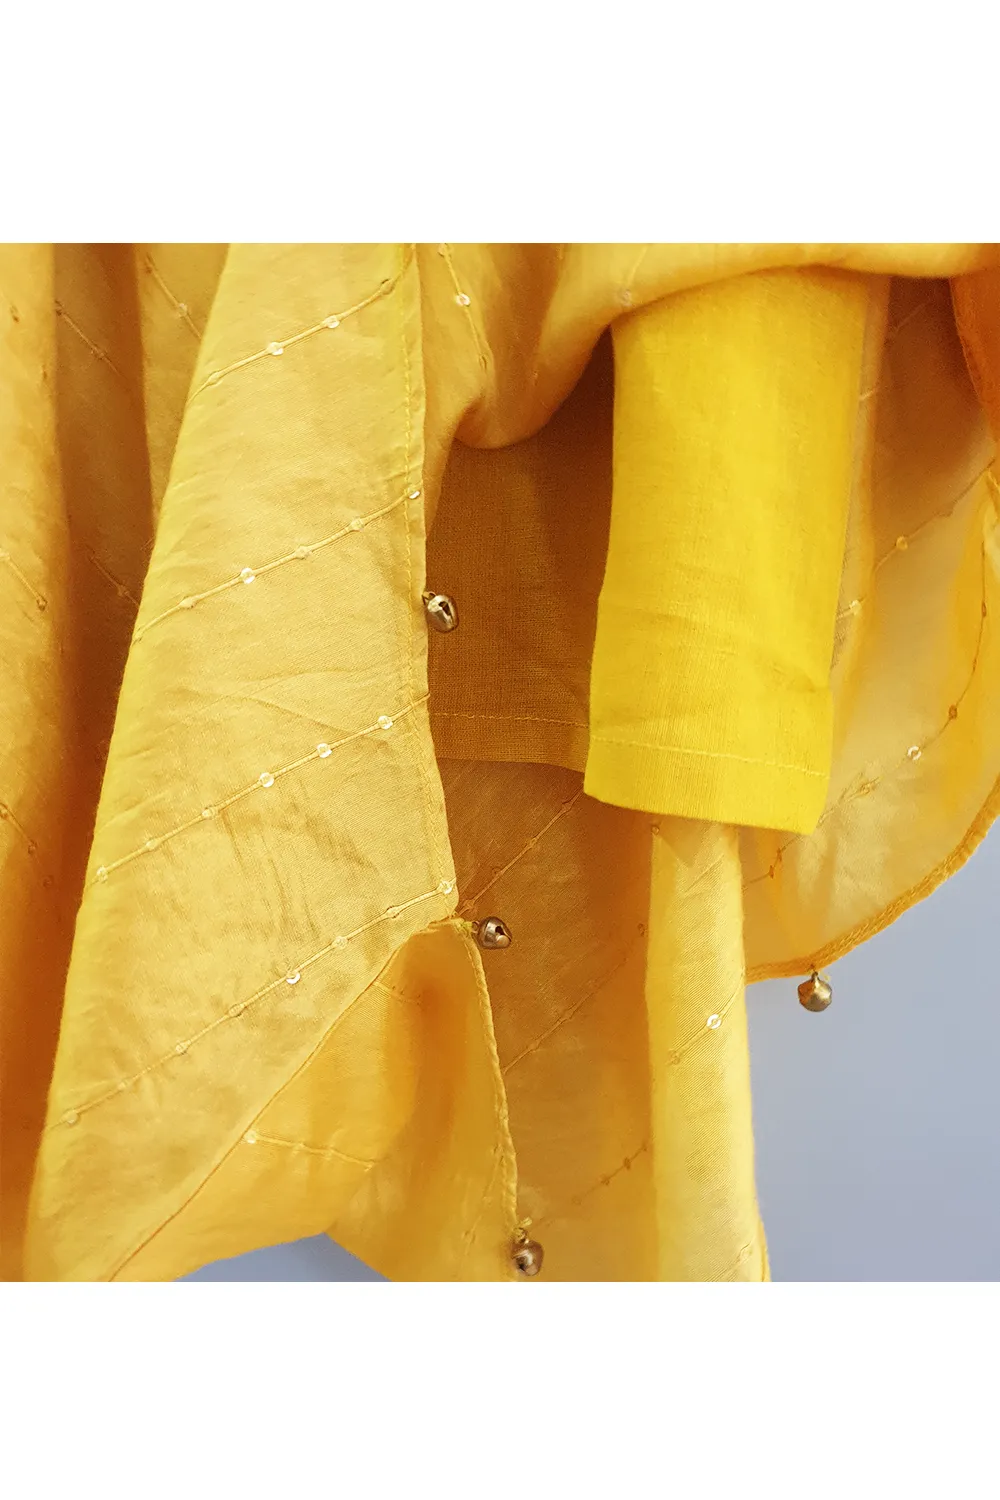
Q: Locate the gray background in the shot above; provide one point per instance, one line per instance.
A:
(877, 1122)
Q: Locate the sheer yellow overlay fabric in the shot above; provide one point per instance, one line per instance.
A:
(251, 810)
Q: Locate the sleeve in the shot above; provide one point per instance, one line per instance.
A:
(734, 427)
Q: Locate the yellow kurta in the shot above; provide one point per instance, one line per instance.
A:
(251, 809)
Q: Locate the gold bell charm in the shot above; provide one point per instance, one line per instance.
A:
(491, 933)
(814, 992)
(527, 1255)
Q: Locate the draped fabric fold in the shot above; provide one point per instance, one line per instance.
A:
(253, 809)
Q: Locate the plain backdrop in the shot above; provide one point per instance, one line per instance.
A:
(877, 1122)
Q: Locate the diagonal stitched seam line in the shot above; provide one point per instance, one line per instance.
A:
(178, 306)
(234, 1146)
(22, 578)
(567, 1015)
(299, 555)
(356, 1161)
(97, 352)
(214, 808)
(866, 784)
(466, 307)
(382, 290)
(120, 588)
(470, 901)
(236, 1010)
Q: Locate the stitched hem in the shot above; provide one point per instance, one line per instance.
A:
(712, 785)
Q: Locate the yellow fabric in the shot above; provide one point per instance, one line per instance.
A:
(733, 453)
(238, 905)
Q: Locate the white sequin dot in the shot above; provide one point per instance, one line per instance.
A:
(182, 308)
(331, 322)
(340, 942)
(357, 524)
(213, 379)
(100, 873)
(70, 1117)
(151, 844)
(236, 1010)
(625, 297)
(187, 603)
(208, 812)
(463, 299)
(901, 544)
(855, 606)
(302, 552)
(414, 495)
(384, 722)
(322, 750)
(446, 887)
(181, 1047)
(293, 977)
(275, 348)
(914, 752)
(122, 1087)
(251, 1137)
(266, 778)
(248, 575)
(713, 1022)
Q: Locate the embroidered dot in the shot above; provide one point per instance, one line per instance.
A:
(855, 606)
(654, 827)
(357, 524)
(293, 977)
(214, 378)
(41, 605)
(100, 873)
(152, 844)
(672, 1058)
(713, 1022)
(384, 722)
(414, 495)
(266, 778)
(394, 911)
(70, 1117)
(122, 1087)
(236, 1010)
(248, 575)
(953, 711)
(625, 297)
(322, 750)
(914, 752)
(301, 553)
(275, 348)
(340, 942)
(181, 1047)
(251, 1137)
(463, 299)
(446, 887)
(331, 322)
(187, 603)
(901, 544)
(208, 812)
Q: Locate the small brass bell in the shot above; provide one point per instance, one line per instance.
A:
(814, 993)
(527, 1256)
(492, 933)
(441, 611)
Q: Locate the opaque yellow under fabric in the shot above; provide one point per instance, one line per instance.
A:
(733, 454)
(252, 810)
